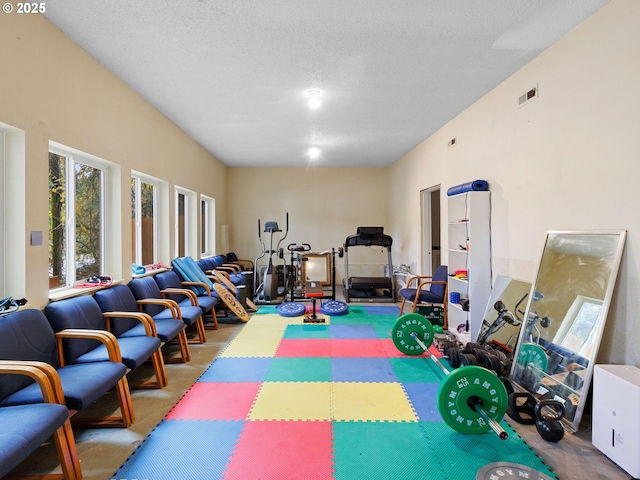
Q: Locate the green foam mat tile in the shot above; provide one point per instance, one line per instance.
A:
(265, 309)
(416, 369)
(459, 457)
(381, 450)
(307, 331)
(381, 323)
(299, 370)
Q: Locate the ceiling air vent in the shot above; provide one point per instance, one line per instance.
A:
(529, 96)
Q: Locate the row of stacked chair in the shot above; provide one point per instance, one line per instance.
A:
(55, 363)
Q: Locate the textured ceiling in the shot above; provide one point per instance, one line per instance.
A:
(234, 74)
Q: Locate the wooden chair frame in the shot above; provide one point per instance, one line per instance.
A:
(47, 378)
(121, 387)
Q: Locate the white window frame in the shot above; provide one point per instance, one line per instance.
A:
(208, 225)
(13, 217)
(74, 157)
(190, 211)
(3, 202)
(140, 178)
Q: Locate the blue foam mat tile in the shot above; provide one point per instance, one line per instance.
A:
(423, 399)
(183, 449)
(237, 370)
(362, 370)
(382, 310)
(353, 331)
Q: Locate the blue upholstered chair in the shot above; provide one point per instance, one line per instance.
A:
(222, 264)
(426, 290)
(26, 427)
(83, 312)
(173, 287)
(152, 301)
(245, 264)
(26, 335)
(118, 302)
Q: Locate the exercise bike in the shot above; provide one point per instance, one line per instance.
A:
(504, 317)
(294, 283)
(313, 292)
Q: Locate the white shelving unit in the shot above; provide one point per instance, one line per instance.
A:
(469, 248)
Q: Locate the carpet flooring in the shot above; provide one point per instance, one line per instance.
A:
(289, 400)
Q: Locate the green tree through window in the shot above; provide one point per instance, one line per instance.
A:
(75, 220)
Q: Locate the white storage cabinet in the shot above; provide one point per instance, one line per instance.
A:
(469, 248)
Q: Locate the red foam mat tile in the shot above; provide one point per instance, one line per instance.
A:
(216, 401)
(280, 450)
(337, 347)
(308, 347)
(371, 348)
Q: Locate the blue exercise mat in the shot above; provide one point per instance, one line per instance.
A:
(476, 185)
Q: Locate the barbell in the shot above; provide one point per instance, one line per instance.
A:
(471, 399)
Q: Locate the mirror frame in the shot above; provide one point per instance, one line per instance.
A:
(573, 423)
(326, 280)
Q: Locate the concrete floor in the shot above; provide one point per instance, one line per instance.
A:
(102, 451)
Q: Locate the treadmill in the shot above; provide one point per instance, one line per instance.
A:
(369, 289)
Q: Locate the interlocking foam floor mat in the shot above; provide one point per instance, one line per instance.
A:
(289, 400)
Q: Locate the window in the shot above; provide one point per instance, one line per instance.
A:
(185, 235)
(144, 228)
(13, 213)
(2, 202)
(76, 217)
(207, 225)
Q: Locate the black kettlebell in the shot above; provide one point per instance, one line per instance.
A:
(548, 425)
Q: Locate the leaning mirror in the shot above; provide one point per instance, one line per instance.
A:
(504, 315)
(316, 267)
(565, 316)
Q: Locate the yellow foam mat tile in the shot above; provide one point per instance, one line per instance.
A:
(371, 402)
(292, 401)
(252, 347)
(265, 332)
(271, 319)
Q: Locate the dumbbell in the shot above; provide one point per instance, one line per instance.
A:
(471, 399)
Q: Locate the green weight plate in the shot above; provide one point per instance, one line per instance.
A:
(534, 354)
(507, 470)
(461, 385)
(405, 326)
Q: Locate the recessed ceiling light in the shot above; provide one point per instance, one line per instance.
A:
(314, 101)
(313, 152)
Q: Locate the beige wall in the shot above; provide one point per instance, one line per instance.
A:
(54, 91)
(325, 205)
(567, 160)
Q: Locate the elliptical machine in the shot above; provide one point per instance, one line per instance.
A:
(267, 291)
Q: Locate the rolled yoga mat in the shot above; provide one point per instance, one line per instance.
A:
(467, 187)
